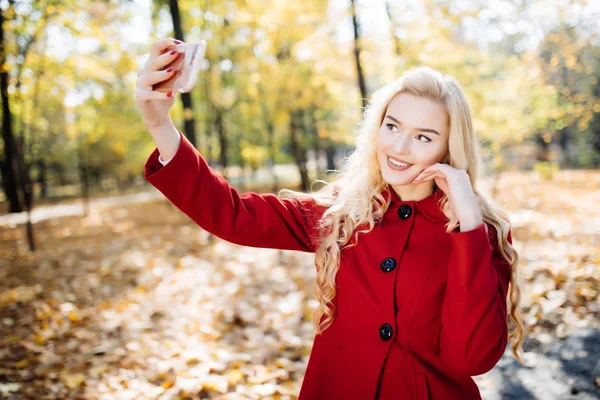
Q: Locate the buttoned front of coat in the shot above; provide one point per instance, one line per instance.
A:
(419, 311)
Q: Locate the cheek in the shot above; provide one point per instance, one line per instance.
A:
(381, 157)
(380, 137)
(425, 156)
(381, 143)
(384, 140)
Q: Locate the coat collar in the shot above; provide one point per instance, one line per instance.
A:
(429, 206)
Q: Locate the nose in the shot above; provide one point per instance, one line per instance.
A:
(402, 144)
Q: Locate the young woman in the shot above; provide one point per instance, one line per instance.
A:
(413, 263)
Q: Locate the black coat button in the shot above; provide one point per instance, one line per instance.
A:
(386, 332)
(388, 264)
(404, 211)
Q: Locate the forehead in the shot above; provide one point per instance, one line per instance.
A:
(418, 112)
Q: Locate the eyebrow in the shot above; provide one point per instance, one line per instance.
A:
(419, 129)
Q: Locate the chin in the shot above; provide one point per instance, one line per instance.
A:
(394, 179)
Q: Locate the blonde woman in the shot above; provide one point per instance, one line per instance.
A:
(413, 263)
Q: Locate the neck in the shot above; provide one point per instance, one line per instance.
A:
(414, 192)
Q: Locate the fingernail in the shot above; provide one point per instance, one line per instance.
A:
(170, 94)
(170, 69)
(177, 41)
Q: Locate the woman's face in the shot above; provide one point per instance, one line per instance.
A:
(414, 134)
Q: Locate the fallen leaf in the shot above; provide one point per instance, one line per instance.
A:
(7, 388)
(72, 381)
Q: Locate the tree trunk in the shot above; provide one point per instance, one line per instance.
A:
(27, 191)
(222, 140)
(189, 127)
(393, 26)
(272, 154)
(316, 142)
(37, 159)
(236, 145)
(10, 165)
(207, 105)
(84, 177)
(543, 153)
(298, 152)
(25, 168)
(272, 151)
(209, 118)
(61, 174)
(563, 138)
(330, 155)
(43, 178)
(361, 79)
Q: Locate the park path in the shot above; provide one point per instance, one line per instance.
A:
(73, 208)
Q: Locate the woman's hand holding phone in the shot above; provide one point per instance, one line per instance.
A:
(172, 66)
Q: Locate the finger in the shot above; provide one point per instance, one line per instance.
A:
(423, 175)
(158, 63)
(438, 167)
(430, 177)
(430, 169)
(149, 95)
(162, 45)
(447, 169)
(149, 79)
(433, 176)
(420, 179)
(424, 171)
(428, 172)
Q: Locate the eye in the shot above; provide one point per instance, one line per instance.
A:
(388, 126)
(423, 136)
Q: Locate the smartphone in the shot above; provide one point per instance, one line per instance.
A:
(186, 65)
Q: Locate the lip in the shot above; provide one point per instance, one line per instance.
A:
(396, 168)
(400, 160)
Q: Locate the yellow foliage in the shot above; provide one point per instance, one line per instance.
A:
(167, 384)
(571, 61)
(73, 316)
(72, 381)
(546, 169)
(234, 377)
(92, 68)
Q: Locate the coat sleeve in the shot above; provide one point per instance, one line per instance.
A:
(249, 219)
(474, 330)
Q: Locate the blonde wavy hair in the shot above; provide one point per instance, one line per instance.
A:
(354, 202)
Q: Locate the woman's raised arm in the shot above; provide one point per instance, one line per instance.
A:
(249, 219)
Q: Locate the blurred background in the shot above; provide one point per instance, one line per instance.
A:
(108, 291)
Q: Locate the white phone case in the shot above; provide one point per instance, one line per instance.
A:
(194, 53)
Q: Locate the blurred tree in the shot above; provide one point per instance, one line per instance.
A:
(10, 166)
(271, 94)
(394, 27)
(24, 24)
(357, 51)
(570, 61)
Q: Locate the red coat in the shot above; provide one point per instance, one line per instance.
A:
(419, 310)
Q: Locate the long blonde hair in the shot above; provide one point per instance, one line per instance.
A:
(354, 202)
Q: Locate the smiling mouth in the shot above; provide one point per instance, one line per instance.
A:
(398, 163)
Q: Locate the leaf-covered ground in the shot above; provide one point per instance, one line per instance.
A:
(134, 301)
